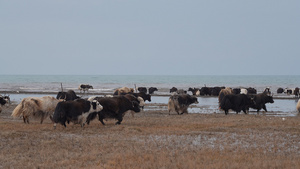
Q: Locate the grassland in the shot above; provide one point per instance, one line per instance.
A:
(153, 139)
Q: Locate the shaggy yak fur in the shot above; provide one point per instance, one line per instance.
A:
(180, 103)
(123, 90)
(298, 106)
(35, 106)
(224, 92)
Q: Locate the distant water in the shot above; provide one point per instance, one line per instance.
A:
(111, 82)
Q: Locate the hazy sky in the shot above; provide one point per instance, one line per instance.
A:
(157, 37)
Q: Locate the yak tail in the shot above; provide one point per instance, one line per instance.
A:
(18, 111)
(91, 117)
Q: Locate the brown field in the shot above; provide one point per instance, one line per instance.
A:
(153, 139)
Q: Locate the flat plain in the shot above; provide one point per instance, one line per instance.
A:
(153, 139)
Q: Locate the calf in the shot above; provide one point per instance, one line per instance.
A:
(75, 111)
(180, 103)
(114, 107)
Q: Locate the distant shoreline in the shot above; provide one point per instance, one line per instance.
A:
(288, 97)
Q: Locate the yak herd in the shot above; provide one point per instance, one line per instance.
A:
(68, 107)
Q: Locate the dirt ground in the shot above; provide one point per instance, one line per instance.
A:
(153, 139)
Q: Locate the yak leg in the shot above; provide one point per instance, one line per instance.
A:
(226, 112)
(184, 110)
(42, 118)
(245, 111)
(101, 119)
(257, 111)
(177, 109)
(120, 119)
(264, 107)
(26, 119)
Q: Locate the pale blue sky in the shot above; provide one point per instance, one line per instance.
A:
(165, 37)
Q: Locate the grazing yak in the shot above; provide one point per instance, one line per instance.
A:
(75, 111)
(236, 102)
(180, 103)
(69, 95)
(298, 106)
(123, 90)
(224, 92)
(152, 90)
(114, 107)
(260, 100)
(85, 87)
(35, 106)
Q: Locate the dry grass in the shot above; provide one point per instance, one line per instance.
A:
(153, 139)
